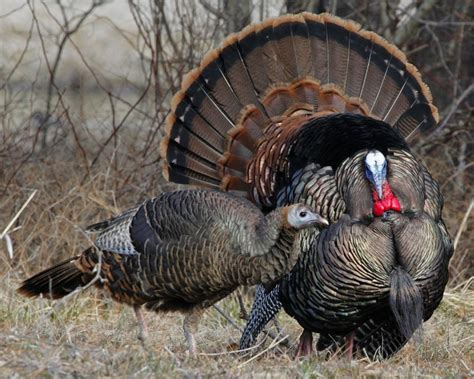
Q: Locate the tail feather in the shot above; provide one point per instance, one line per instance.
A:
(215, 84)
(269, 73)
(237, 75)
(286, 47)
(248, 39)
(406, 302)
(358, 62)
(302, 47)
(200, 131)
(210, 108)
(269, 53)
(55, 282)
(178, 174)
(418, 117)
(317, 34)
(209, 113)
(264, 309)
(191, 160)
(338, 37)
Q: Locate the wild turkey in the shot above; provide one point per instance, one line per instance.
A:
(312, 108)
(182, 251)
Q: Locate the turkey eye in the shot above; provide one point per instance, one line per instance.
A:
(303, 214)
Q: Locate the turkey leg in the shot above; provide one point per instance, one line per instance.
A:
(305, 346)
(190, 327)
(243, 311)
(143, 333)
(350, 345)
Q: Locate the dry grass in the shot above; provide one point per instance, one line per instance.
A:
(90, 335)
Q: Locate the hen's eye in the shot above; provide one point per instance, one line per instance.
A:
(303, 214)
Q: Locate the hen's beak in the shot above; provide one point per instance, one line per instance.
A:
(317, 219)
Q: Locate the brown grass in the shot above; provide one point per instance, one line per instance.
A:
(90, 335)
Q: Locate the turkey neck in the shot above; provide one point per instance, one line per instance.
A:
(404, 179)
(279, 255)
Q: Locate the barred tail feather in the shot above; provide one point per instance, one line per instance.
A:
(264, 309)
(55, 282)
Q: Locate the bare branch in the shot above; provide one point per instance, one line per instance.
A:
(405, 31)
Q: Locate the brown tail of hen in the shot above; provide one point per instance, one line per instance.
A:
(56, 281)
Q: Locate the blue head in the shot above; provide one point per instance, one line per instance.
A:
(376, 170)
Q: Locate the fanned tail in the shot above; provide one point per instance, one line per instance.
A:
(270, 79)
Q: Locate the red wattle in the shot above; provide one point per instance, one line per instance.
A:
(388, 203)
(395, 205)
(378, 208)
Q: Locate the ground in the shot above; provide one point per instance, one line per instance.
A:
(91, 336)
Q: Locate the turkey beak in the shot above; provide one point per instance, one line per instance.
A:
(378, 181)
(378, 176)
(317, 219)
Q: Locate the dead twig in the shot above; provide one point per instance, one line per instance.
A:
(463, 224)
(228, 318)
(240, 329)
(12, 221)
(274, 343)
(405, 32)
(454, 107)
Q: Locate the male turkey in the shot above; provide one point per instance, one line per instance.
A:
(312, 108)
(182, 251)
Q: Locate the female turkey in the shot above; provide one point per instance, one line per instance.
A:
(182, 251)
(311, 108)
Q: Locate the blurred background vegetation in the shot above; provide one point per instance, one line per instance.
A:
(86, 86)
